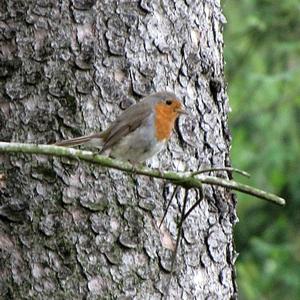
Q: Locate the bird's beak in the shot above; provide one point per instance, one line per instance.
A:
(181, 111)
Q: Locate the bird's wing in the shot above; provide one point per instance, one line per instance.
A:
(126, 123)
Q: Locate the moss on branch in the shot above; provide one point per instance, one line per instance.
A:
(184, 179)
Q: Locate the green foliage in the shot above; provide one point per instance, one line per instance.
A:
(262, 51)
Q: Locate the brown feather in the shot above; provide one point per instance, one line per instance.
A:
(79, 140)
(126, 123)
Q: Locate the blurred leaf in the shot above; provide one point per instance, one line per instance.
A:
(262, 51)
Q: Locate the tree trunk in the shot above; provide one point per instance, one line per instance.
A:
(70, 230)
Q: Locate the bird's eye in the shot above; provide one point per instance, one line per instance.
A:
(169, 102)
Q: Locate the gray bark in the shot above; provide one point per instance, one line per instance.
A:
(69, 230)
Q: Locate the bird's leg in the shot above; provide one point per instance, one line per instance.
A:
(133, 173)
(134, 167)
(160, 171)
(97, 152)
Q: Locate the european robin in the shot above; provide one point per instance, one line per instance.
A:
(140, 132)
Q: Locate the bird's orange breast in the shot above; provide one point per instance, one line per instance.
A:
(165, 118)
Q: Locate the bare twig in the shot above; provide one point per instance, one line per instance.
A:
(168, 205)
(179, 235)
(229, 169)
(194, 205)
(186, 180)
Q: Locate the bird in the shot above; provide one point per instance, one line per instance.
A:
(140, 132)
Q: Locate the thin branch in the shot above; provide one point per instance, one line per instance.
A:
(229, 169)
(186, 180)
(179, 235)
(168, 205)
(194, 205)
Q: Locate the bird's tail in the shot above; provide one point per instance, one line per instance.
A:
(94, 139)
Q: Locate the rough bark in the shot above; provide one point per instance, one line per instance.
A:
(72, 231)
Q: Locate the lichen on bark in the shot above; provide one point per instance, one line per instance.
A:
(70, 230)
